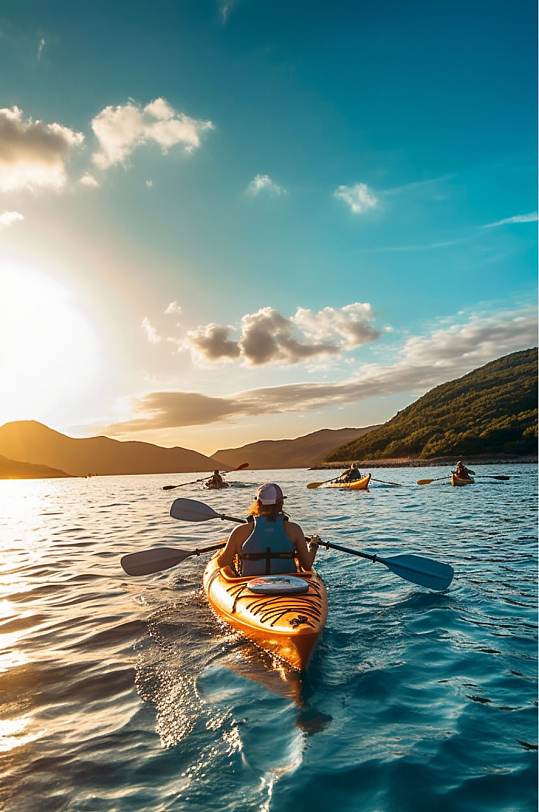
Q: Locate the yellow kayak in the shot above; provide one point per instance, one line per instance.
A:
(457, 480)
(358, 484)
(287, 626)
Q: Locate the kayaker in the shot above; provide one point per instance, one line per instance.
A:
(269, 543)
(215, 481)
(462, 472)
(351, 474)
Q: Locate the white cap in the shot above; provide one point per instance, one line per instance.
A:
(269, 494)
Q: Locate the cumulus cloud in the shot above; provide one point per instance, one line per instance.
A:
(264, 184)
(359, 198)
(123, 128)
(423, 362)
(518, 218)
(212, 342)
(151, 333)
(89, 181)
(33, 154)
(8, 218)
(173, 309)
(268, 337)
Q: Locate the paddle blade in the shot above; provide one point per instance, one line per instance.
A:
(148, 561)
(312, 485)
(419, 570)
(169, 487)
(189, 510)
(424, 481)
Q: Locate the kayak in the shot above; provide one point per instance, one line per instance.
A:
(212, 487)
(358, 484)
(457, 480)
(287, 626)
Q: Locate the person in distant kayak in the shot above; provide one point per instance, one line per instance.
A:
(351, 474)
(215, 481)
(269, 543)
(462, 472)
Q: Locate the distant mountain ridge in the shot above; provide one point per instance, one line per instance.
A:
(12, 469)
(300, 452)
(491, 410)
(31, 442)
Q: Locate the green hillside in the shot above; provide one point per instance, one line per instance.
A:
(492, 410)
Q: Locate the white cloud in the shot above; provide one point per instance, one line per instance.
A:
(263, 183)
(173, 309)
(89, 181)
(225, 9)
(33, 154)
(359, 198)
(8, 218)
(40, 46)
(518, 218)
(422, 363)
(122, 129)
(268, 337)
(151, 333)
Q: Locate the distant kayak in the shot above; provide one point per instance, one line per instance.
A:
(212, 487)
(357, 485)
(457, 480)
(286, 625)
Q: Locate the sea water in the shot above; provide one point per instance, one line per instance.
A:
(121, 693)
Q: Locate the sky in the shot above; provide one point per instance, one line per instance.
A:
(228, 220)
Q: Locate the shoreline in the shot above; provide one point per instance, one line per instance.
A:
(414, 462)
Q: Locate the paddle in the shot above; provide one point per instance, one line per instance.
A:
(386, 482)
(312, 485)
(414, 568)
(160, 558)
(484, 476)
(204, 478)
(428, 481)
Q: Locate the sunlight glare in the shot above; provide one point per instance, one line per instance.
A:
(49, 358)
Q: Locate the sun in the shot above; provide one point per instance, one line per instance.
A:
(49, 359)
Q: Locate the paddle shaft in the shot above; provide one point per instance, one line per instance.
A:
(386, 482)
(204, 478)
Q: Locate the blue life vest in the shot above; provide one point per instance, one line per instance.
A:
(268, 550)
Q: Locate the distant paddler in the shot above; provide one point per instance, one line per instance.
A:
(351, 474)
(462, 472)
(216, 481)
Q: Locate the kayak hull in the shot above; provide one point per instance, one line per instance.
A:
(286, 626)
(217, 487)
(458, 481)
(359, 484)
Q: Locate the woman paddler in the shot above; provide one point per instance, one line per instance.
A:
(268, 544)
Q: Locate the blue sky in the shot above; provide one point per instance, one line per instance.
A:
(394, 147)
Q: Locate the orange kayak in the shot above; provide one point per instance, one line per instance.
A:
(357, 485)
(287, 626)
(457, 480)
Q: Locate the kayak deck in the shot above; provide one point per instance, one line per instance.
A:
(358, 484)
(287, 626)
(457, 481)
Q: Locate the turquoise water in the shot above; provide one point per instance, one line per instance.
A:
(127, 694)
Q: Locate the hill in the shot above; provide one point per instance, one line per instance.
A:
(12, 469)
(32, 442)
(490, 411)
(301, 452)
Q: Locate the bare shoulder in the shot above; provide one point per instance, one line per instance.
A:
(294, 529)
(240, 533)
